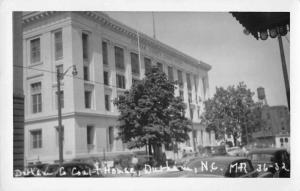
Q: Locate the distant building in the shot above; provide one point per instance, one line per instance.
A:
(105, 53)
(18, 96)
(276, 130)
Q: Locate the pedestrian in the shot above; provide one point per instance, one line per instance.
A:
(134, 162)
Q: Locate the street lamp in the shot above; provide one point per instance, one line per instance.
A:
(59, 77)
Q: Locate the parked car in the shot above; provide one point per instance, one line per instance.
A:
(72, 169)
(217, 166)
(235, 151)
(272, 162)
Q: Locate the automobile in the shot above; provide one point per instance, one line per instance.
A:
(235, 151)
(216, 166)
(72, 169)
(214, 150)
(271, 162)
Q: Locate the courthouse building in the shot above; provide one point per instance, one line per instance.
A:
(106, 55)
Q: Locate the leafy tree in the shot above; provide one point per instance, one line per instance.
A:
(232, 112)
(150, 114)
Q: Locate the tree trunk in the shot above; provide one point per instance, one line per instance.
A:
(157, 153)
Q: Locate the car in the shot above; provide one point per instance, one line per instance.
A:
(272, 162)
(216, 166)
(235, 151)
(72, 169)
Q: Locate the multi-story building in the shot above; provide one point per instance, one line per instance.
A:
(106, 55)
(276, 128)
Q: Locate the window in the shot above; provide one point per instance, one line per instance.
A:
(147, 62)
(160, 66)
(191, 113)
(107, 102)
(36, 97)
(61, 99)
(170, 74)
(190, 99)
(90, 134)
(110, 138)
(104, 53)
(58, 45)
(188, 81)
(57, 135)
(86, 73)
(36, 139)
(119, 58)
(106, 78)
(135, 66)
(180, 80)
(35, 50)
(120, 81)
(85, 46)
(88, 99)
(181, 94)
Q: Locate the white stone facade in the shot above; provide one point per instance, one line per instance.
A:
(75, 116)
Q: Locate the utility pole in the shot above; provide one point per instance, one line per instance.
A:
(60, 76)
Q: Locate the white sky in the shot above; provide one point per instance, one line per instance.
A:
(218, 39)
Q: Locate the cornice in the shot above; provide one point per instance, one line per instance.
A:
(116, 26)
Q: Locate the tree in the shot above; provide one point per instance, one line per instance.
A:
(150, 114)
(232, 112)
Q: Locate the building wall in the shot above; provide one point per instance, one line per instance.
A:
(75, 116)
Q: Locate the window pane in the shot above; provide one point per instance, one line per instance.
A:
(119, 58)
(170, 73)
(135, 67)
(147, 62)
(104, 53)
(85, 46)
(107, 102)
(90, 135)
(188, 81)
(35, 50)
(86, 73)
(87, 97)
(36, 138)
(180, 81)
(120, 81)
(106, 78)
(58, 45)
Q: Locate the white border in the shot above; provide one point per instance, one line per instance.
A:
(7, 182)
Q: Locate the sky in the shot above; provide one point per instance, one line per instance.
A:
(217, 39)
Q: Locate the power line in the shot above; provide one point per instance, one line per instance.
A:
(71, 76)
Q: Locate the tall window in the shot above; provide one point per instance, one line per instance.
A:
(170, 73)
(106, 78)
(135, 66)
(35, 50)
(119, 58)
(85, 46)
(90, 132)
(160, 66)
(120, 81)
(188, 81)
(57, 135)
(58, 45)
(181, 93)
(190, 99)
(147, 63)
(36, 95)
(180, 80)
(36, 138)
(111, 138)
(107, 102)
(88, 99)
(104, 53)
(61, 99)
(86, 73)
